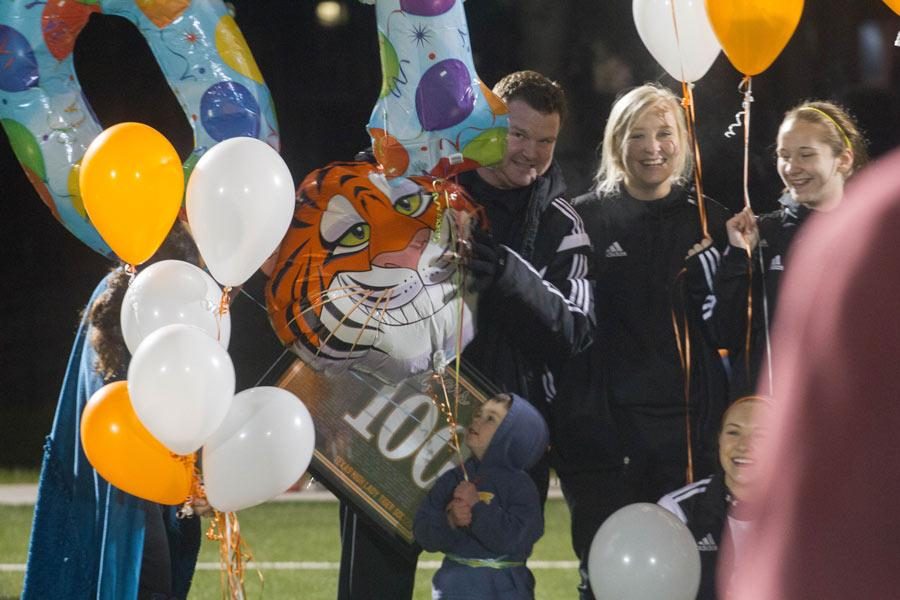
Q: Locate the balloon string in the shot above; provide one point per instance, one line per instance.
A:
(383, 300)
(444, 406)
(743, 118)
(131, 270)
(677, 41)
(684, 356)
(353, 309)
(766, 328)
(225, 301)
(688, 104)
(460, 228)
(747, 334)
(197, 490)
(234, 553)
(748, 98)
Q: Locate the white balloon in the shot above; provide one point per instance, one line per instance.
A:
(687, 57)
(240, 200)
(261, 449)
(170, 292)
(181, 383)
(643, 552)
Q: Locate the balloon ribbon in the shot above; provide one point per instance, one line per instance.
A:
(684, 356)
(443, 403)
(746, 88)
(234, 553)
(688, 103)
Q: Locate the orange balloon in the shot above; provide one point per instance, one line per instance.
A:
(753, 32)
(125, 454)
(389, 153)
(131, 184)
(894, 4)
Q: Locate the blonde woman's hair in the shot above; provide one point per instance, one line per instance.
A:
(627, 109)
(762, 400)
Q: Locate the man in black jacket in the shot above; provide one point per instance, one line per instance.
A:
(535, 304)
(534, 307)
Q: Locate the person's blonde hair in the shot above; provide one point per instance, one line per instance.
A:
(762, 400)
(626, 110)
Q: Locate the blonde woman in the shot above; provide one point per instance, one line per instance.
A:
(622, 419)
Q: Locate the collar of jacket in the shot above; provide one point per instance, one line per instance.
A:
(792, 210)
(544, 190)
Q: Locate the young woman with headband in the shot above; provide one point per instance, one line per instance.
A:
(819, 147)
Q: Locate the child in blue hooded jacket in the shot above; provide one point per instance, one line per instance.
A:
(487, 525)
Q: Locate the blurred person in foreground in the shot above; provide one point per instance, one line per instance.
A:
(828, 526)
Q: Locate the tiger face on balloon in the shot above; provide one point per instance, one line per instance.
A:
(367, 275)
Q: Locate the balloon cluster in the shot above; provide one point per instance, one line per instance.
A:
(199, 48)
(685, 36)
(180, 393)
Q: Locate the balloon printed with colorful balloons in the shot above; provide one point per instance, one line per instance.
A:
(433, 116)
(49, 122)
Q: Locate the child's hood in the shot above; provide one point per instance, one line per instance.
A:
(520, 440)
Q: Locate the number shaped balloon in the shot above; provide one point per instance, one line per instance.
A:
(50, 124)
(433, 116)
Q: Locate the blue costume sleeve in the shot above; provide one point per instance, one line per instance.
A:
(510, 526)
(431, 529)
(87, 536)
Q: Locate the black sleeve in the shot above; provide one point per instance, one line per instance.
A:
(702, 272)
(551, 311)
(728, 314)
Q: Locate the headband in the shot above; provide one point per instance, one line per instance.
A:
(835, 123)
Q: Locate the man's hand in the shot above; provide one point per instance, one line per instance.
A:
(742, 230)
(485, 260)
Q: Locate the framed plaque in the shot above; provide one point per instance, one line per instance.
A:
(379, 446)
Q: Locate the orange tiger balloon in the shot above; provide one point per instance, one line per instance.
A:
(366, 275)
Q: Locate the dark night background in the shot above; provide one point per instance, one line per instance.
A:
(325, 81)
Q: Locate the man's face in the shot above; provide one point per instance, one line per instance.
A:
(529, 148)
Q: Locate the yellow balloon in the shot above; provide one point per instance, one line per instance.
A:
(125, 454)
(894, 4)
(753, 32)
(233, 48)
(131, 184)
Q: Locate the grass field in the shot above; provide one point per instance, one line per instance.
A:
(300, 532)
